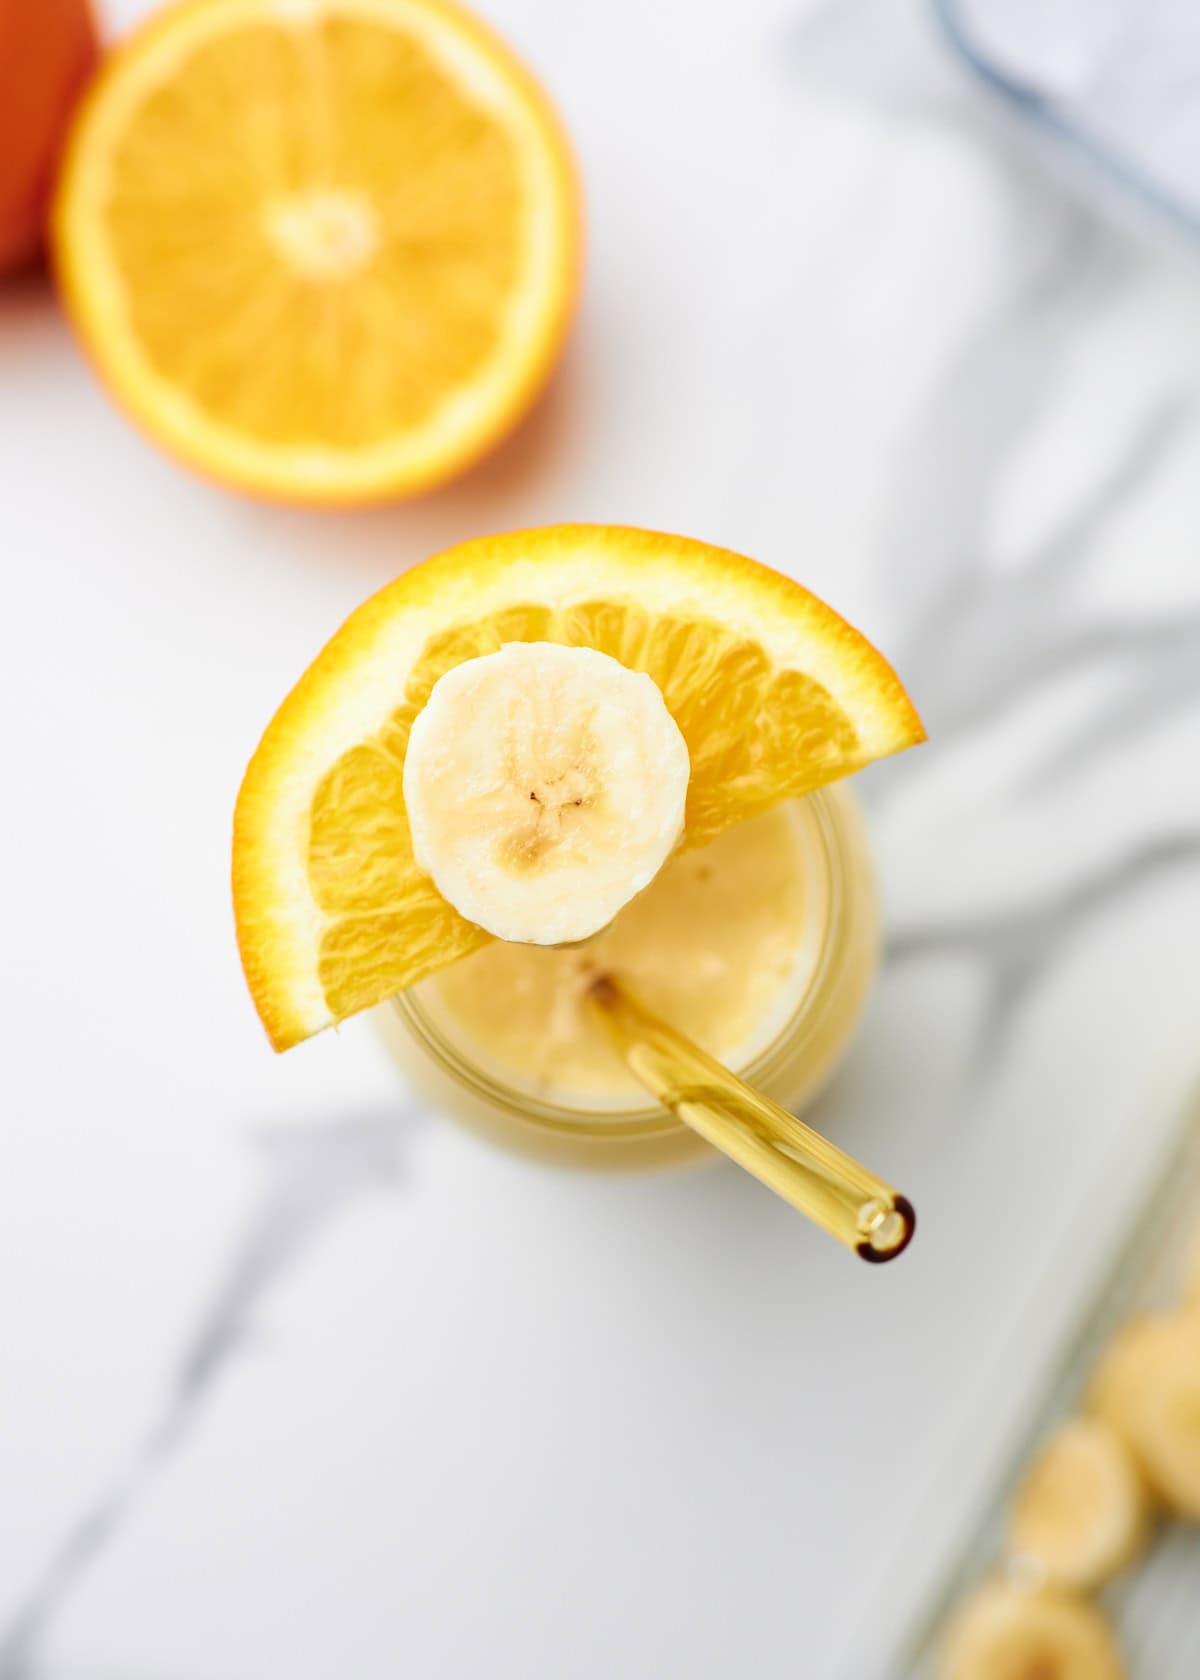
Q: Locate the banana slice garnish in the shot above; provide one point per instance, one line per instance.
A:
(545, 787)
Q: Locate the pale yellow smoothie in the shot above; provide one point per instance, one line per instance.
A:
(714, 945)
(760, 947)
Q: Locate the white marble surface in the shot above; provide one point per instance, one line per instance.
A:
(296, 1381)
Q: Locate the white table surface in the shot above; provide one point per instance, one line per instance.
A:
(297, 1381)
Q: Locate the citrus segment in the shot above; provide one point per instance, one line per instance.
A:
(774, 694)
(378, 238)
(365, 959)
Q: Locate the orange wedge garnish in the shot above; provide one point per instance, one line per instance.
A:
(774, 693)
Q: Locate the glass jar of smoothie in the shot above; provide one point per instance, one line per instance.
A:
(564, 807)
(760, 947)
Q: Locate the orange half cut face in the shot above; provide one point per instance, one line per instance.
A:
(323, 250)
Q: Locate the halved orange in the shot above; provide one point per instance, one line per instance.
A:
(47, 51)
(324, 250)
(774, 693)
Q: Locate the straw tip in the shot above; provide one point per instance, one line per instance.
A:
(887, 1230)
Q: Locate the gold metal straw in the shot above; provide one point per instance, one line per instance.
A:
(800, 1165)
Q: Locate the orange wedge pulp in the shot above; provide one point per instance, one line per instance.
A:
(774, 693)
(323, 250)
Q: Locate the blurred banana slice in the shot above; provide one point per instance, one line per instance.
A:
(1006, 1632)
(1147, 1388)
(1121, 1372)
(1082, 1511)
(545, 787)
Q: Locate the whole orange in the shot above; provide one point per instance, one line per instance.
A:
(46, 50)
